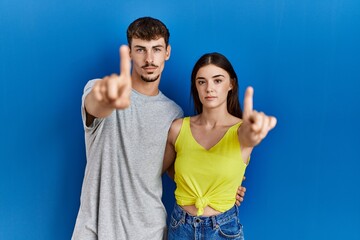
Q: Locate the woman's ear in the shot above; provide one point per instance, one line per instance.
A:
(231, 84)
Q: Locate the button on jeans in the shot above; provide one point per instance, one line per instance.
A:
(226, 225)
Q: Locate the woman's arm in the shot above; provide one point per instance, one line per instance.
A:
(170, 154)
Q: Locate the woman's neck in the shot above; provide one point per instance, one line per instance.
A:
(214, 117)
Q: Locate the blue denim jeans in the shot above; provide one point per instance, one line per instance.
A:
(226, 225)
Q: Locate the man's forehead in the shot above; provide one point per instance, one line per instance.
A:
(145, 43)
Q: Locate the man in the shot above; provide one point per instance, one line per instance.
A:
(126, 120)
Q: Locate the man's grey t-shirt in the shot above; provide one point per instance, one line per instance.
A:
(122, 188)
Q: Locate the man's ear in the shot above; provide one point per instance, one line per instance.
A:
(130, 51)
(168, 51)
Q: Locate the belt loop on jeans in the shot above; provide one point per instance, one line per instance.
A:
(214, 223)
(183, 217)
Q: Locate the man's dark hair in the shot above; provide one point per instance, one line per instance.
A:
(147, 28)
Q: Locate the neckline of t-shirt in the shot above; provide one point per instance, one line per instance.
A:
(147, 97)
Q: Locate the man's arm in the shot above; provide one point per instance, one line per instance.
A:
(240, 194)
(111, 92)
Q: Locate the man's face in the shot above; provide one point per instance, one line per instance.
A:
(148, 58)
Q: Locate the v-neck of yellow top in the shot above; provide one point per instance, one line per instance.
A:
(212, 147)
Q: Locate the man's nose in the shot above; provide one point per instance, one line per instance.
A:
(149, 57)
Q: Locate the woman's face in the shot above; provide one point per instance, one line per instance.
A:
(213, 84)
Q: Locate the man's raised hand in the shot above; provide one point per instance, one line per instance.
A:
(113, 92)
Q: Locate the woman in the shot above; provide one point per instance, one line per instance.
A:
(210, 150)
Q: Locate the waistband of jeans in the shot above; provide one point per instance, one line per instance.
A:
(212, 220)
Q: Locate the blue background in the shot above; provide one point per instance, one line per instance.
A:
(302, 57)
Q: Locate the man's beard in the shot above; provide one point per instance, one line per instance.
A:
(145, 79)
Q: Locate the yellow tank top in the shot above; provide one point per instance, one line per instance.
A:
(208, 177)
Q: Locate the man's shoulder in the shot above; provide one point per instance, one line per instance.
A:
(169, 100)
(171, 107)
(88, 86)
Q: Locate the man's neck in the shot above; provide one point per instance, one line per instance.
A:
(146, 88)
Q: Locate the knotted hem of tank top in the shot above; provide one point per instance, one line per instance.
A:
(200, 204)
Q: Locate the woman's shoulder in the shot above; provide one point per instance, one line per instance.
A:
(175, 129)
(233, 121)
(177, 123)
(236, 120)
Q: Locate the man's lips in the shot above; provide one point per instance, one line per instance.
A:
(149, 68)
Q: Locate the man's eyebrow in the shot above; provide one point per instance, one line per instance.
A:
(156, 46)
